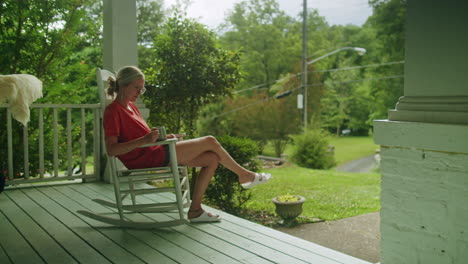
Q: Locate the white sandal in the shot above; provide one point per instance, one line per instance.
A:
(258, 179)
(206, 217)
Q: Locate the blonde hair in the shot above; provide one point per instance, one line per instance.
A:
(124, 76)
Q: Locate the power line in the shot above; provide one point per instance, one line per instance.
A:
(329, 70)
(360, 67)
(310, 85)
(360, 80)
(243, 107)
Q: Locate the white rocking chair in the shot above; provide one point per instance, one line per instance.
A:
(133, 178)
(131, 183)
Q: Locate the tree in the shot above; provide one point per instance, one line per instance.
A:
(387, 24)
(51, 40)
(212, 121)
(262, 117)
(150, 20)
(36, 36)
(271, 43)
(189, 71)
(258, 28)
(337, 100)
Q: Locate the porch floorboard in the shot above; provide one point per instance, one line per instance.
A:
(40, 225)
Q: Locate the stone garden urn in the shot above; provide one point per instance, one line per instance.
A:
(288, 207)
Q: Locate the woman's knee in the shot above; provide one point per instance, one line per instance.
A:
(212, 141)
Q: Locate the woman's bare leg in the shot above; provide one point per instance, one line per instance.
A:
(208, 161)
(188, 150)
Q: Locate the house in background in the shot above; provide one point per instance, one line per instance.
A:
(424, 142)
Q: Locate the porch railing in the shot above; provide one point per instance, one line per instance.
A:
(61, 142)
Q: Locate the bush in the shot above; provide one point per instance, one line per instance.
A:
(225, 192)
(311, 150)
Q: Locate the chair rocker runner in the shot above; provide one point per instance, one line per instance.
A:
(134, 186)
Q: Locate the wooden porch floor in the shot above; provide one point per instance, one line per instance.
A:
(40, 225)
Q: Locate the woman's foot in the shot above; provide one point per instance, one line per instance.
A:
(200, 215)
(258, 178)
(247, 177)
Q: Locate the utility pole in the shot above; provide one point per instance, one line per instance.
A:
(304, 65)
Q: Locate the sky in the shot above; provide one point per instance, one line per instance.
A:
(341, 12)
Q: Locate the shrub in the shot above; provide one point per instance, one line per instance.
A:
(225, 192)
(311, 150)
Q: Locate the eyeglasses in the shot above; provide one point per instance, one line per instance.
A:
(140, 90)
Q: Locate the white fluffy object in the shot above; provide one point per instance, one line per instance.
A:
(20, 91)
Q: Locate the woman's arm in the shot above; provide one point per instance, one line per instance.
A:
(114, 148)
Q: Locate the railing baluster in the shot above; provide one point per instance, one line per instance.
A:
(55, 148)
(45, 129)
(97, 136)
(83, 142)
(26, 151)
(41, 142)
(10, 145)
(69, 143)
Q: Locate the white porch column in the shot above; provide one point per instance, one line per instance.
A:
(120, 38)
(120, 44)
(424, 142)
(120, 34)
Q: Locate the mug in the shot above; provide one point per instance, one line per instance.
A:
(162, 133)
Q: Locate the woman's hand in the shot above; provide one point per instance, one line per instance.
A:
(152, 136)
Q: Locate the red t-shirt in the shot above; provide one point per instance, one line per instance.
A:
(128, 125)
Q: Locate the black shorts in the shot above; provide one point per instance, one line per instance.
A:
(167, 157)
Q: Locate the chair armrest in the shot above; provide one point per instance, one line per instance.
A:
(180, 136)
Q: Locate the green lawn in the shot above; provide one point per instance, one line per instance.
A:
(330, 195)
(346, 148)
(352, 148)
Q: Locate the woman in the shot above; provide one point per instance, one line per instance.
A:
(126, 131)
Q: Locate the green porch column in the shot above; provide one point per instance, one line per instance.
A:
(424, 142)
(436, 79)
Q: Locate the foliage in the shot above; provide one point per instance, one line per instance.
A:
(57, 41)
(341, 99)
(311, 150)
(262, 117)
(150, 20)
(213, 122)
(259, 28)
(386, 31)
(36, 35)
(60, 41)
(225, 192)
(189, 71)
(287, 198)
(150, 17)
(346, 148)
(337, 100)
